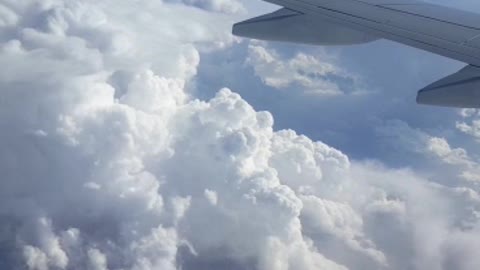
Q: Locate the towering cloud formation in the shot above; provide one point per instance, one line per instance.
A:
(107, 161)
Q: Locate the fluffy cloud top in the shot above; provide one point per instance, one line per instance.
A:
(107, 161)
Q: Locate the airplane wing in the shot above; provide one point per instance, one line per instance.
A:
(445, 31)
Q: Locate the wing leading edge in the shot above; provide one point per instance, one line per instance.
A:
(291, 26)
(441, 30)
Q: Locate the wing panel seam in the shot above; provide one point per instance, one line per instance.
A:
(426, 17)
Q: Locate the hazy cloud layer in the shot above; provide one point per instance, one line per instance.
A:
(108, 161)
(226, 6)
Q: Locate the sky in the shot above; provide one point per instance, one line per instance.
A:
(142, 135)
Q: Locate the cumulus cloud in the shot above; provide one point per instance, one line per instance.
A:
(316, 74)
(108, 162)
(470, 124)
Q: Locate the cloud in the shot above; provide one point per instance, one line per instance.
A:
(226, 6)
(109, 162)
(365, 91)
(305, 71)
(436, 159)
(470, 124)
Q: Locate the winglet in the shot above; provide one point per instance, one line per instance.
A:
(461, 89)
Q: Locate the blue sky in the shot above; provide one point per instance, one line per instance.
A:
(391, 74)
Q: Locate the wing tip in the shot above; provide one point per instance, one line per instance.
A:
(459, 90)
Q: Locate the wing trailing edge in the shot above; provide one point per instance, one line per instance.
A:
(291, 26)
(461, 89)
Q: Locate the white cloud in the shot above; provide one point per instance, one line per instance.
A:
(226, 6)
(97, 260)
(442, 162)
(107, 162)
(313, 73)
(471, 123)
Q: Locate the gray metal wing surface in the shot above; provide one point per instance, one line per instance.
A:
(441, 30)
